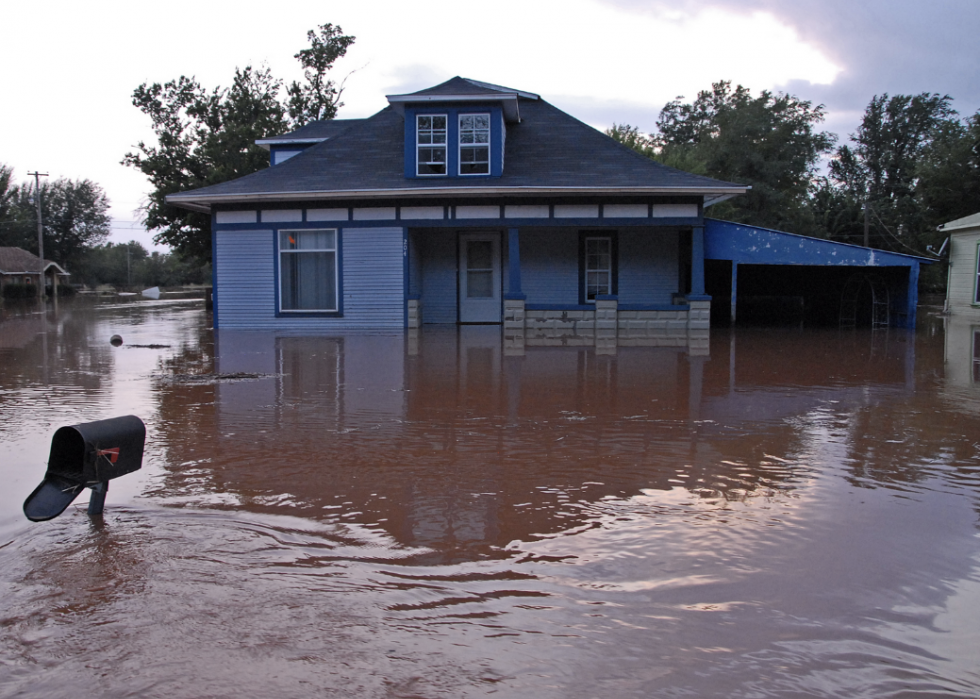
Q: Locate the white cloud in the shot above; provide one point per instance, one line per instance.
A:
(69, 68)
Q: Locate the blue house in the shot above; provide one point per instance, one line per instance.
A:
(461, 203)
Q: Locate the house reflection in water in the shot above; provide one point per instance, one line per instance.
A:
(962, 353)
(449, 441)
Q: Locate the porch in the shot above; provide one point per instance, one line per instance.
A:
(562, 285)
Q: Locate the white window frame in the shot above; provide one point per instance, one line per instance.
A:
(336, 267)
(608, 270)
(976, 278)
(473, 144)
(975, 357)
(433, 144)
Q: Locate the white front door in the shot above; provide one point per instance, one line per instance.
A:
(479, 278)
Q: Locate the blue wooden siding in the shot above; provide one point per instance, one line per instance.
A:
(372, 279)
(550, 266)
(245, 278)
(647, 266)
(438, 276)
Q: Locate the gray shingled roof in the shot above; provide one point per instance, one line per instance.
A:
(549, 151)
(19, 261)
(465, 86)
(313, 132)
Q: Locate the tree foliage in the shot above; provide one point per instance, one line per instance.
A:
(948, 171)
(913, 162)
(130, 265)
(204, 137)
(319, 97)
(75, 215)
(769, 142)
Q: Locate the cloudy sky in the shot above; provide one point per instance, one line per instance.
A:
(68, 69)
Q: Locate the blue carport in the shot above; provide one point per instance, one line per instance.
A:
(820, 281)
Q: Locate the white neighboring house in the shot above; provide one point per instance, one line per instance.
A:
(962, 352)
(963, 284)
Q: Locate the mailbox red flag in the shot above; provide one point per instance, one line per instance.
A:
(112, 454)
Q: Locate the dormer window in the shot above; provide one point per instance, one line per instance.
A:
(474, 144)
(431, 144)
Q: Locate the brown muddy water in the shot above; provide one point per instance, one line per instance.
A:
(375, 515)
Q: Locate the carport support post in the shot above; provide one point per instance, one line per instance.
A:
(734, 288)
(97, 502)
(913, 295)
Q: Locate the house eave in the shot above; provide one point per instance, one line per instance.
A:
(267, 143)
(508, 101)
(204, 204)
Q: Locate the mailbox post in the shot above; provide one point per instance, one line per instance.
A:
(88, 455)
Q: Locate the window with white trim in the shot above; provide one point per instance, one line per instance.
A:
(430, 141)
(976, 280)
(474, 144)
(976, 355)
(598, 267)
(308, 271)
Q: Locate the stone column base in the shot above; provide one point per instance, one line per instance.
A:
(414, 313)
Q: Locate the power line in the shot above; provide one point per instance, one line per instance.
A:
(895, 237)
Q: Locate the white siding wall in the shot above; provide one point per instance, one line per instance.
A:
(372, 274)
(963, 271)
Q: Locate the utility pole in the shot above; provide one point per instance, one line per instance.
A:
(40, 230)
(867, 224)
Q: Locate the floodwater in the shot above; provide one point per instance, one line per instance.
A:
(793, 513)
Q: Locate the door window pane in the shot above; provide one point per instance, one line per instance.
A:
(479, 254)
(479, 285)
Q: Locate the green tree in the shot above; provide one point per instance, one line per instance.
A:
(75, 215)
(631, 137)
(769, 142)
(204, 137)
(319, 97)
(112, 263)
(948, 172)
(883, 166)
(7, 190)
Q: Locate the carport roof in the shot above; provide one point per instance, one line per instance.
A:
(746, 244)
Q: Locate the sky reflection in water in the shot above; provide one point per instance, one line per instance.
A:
(391, 516)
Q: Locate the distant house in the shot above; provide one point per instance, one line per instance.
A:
(462, 203)
(17, 266)
(963, 287)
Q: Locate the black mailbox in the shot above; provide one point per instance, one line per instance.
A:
(87, 456)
